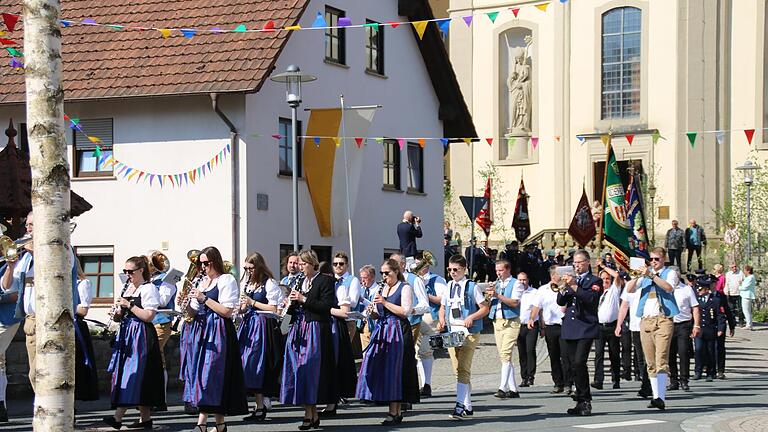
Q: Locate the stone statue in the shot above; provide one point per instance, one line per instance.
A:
(519, 86)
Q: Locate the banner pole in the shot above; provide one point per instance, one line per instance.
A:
(346, 186)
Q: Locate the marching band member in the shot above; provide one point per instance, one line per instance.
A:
(580, 298)
(529, 330)
(163, 321)
(607, 315)
(436, 288)
(629, 302)
(136, 365)
(86, 376)
(217, 386)
(191, 332)
(420, 301)
(465, 304)
(388, 372)
(657, 307)
(259, 336)
(292, 269)
(367, 282)
(687, 326)
(309, 364)
(346, 287)
(552, 320)
(505, 314)
(9, 325)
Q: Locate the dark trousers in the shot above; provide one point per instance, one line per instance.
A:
(626, 352)
(675, 257)
(682, 345)
(706, 356)
(645, 385)
(608, 336)
(552, 337)
(720, 348)
(526, 349)
(577, 352)
(734, 302)
(694, 250)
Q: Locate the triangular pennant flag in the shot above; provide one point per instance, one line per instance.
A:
(165, 32)
(655, 137)
(468, 141)
(208, 164)
(445, 142)
(749, 133)
(10, 21)
(394, 24)
(227, 149)
(116, 27)
(557, 138)
(188, 33)
(319, 21)
(240, 29)
(7, 42)
(467, 19)
(141, 174)
(489, 141)
(344, 22)
(94, 139)
(97, 152)
(14, 52)
(373, 25)
(277, 136)
(269, 26)
(151, 179)
(186, 180)
(630, 138)
(359, 142)
(605, 138)
(170, 178)
(337, 141)
(132, 175)
(420, 27)
(692, 138)
(581, 139)
(88, 21)
(379, 140)
(515, 11)
(492, 16)
(534, 142)
(719, 136)
(67, 23)
(421, 142)
(542, 6)
(317, 141)
(444, 24)
(401, 143)
(294, 28)
(217, 160)
(16, 63)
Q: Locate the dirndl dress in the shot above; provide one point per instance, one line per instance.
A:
(136, 366)
(191, 334)
(261, 349)
(346, 374)
(86, 375)
(216, 386)
(388, 372)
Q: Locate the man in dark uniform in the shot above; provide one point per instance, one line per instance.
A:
(511, 253)
(730, 318)
(580, 326)
(407, 232)
(713, 321)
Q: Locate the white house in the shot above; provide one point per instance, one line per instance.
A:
(169, 105)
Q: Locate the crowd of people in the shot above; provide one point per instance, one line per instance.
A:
(321, 335)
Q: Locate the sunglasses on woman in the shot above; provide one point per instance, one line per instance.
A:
(205, 263)
(128, 272)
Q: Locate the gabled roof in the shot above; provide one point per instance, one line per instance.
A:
(99, 62)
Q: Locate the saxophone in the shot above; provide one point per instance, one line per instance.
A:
(191, 280)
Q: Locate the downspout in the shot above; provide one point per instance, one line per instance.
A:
(235, 186)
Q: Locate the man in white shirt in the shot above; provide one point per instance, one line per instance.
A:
(733, 279)
(435, 287)
(629, 302)
(529, 330)
(551, 315)
(687, 326)
(348, 287)
(505, 315)
(367, 291)
(607, 315)
(463, 310)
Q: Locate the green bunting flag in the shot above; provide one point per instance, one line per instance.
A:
(492, 16)
(692, 138)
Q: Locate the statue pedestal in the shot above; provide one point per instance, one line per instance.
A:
(516, 145)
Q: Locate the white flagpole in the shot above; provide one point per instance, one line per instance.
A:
(346, 186)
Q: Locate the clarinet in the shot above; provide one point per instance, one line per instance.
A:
(372, 307)
(287, 313)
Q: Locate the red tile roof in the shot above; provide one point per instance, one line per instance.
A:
(100, 62)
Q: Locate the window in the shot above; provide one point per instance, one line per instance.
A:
(415, 168)
(286, 147)
(100, 270)
(86, 164)
(391, 164)
(598, 176)
(374, 47)
(335, 38)
(323, 253)
(621, 63)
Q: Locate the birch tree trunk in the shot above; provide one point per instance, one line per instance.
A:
(55, 363)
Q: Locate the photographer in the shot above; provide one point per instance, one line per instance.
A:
(408, 231)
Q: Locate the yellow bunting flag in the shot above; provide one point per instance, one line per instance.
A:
(422, 141)
(165, 32)
(605, 138)
(132, 174)
(337, 141)
(468, 141)
(94, 139)
(296, 27)
(420, 27)
(542, 6)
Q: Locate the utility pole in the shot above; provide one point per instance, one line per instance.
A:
(55, 362)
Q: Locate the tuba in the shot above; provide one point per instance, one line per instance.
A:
(190, 281)
(427, 260)
(160, 262)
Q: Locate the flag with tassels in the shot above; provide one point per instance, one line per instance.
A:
(582, 227)
(521, 222)
(485, 218)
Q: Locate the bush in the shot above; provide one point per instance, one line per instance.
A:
(760, 316)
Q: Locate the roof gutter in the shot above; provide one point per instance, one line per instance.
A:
(235, 185)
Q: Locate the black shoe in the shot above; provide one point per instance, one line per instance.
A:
(569, 392)
(657, 403)
(327, 413)
(256, 417)
(617, 385)
(557, 390)
(513, 394)
(160, 408)
(597, 385)
(147, 425)
(3, 413)
(501, 394)
(459, 413)
(190, 409)
(709, 379)
(645, 394)
(627, 376)
(696, 376)
(406, 406)
(684, 386)
(524, 383)
(111, 421)
(720, 375)
(308, 424)
(426, 391)
(392, 419)
(586, 409)
(469, 412)
(674, 385)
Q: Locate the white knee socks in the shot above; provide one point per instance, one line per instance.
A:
(504, 385)
(662, 385)
(654, 385)
(461, 393)
(420, 371)
(511, 381)
(468, 398)
(427, 365)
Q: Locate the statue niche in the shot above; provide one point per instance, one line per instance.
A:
(516, 94)
(519, 86)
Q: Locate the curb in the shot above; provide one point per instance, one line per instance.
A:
(740, 421)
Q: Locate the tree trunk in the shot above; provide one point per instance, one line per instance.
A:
(55, 376)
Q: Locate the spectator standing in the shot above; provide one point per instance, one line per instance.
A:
(695, 238)
(408, 231)
(747, 290)
(719, 274)
(675, 243)
(733, 280)
(731, 240)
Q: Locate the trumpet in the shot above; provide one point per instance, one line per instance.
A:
(489, 289)
(558, 288)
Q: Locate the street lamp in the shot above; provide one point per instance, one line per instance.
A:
(652, 196)
(292, 78)
(748, 170)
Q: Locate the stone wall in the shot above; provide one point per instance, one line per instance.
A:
(17, 366)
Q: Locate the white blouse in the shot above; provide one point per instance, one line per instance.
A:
(84, 292)
(274, 293)
(229, 292)
(148, 294)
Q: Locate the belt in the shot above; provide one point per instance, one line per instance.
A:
(553, 325)
(684, 322)
(610, 324)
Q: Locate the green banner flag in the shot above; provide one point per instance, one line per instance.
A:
(616, 229)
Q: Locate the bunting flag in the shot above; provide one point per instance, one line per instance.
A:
(420, 27)
(468, 20)
(485, 217)
(445, 142)
(581, 139)
(444, 25)
(515, 11)
(749, 133)
(630, 138)
(520, 222)
(636, 217)
(720, 136)
(10, 21)
(401, 143)
(421, 142)
(616, 229)
(492, 16)
(489, 141)
(655, 137)
(165, 32)
(542, 6)
(582, 227)
(534, 142)
(319, 21)
(359, 142)
(692, 138)
(510, 143)
(605, 138)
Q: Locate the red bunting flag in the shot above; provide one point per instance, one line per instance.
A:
(749, 133)
(269, 26)
(489, 141)
(485, 217)
(359, 142)
(630, 138)
(515, 11)
(7, 42)
(10, 21)
(394, 24)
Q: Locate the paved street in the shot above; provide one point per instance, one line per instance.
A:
(740, 403)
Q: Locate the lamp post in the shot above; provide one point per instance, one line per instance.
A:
(652, 196)
(748, 170)
(292, 78)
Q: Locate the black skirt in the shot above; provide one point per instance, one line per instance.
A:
(346, 374)
(86, 373)
(411, 391)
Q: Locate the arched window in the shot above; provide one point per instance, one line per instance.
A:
(620, 83)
